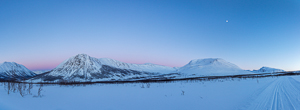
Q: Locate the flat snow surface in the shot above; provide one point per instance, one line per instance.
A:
(270, 93)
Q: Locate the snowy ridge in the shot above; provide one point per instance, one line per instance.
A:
(267, 70)
(40, 71)
(85, 68)
(80, 65)
(147, 67)
(12, 70)
(211, 67)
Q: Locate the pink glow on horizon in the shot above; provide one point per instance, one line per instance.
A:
(39, 66)
(170, 64)
(52, 62)
(51, 65)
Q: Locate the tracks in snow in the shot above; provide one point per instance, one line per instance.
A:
(282, 94)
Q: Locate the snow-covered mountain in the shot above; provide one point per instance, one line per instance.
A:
(14, 71)
(147, 67)
(85, 68)
(210, 67)
(267, 70)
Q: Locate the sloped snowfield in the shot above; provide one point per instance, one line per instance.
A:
(271, 93)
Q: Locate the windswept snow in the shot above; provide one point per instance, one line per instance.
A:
(211, 67)
(12, 70)
(267, 70)
(281, 94)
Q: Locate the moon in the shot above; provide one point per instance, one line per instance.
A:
(226, 21)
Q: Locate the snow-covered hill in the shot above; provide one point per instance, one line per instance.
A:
(85, 68)
(14, 71)
(267, 70)
(210, 67)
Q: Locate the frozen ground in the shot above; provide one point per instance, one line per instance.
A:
(273, 93)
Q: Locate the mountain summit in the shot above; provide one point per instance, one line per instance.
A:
(81, 66)
(265, 69)
(212, 61)
(209, 67)
(14, 71)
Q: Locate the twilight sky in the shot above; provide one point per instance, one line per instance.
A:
(41, 34)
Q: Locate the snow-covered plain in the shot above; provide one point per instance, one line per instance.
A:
(220, 94)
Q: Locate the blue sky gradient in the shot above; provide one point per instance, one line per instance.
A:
(40, 34)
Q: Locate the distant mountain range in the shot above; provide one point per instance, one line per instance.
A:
(85, 68)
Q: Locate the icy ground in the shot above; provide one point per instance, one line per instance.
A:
(271, 93)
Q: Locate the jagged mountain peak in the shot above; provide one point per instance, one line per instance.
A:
(205, 61)
(82, 55)
(80, 65)
(114, 63)
(9, 63)
(80, 60)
